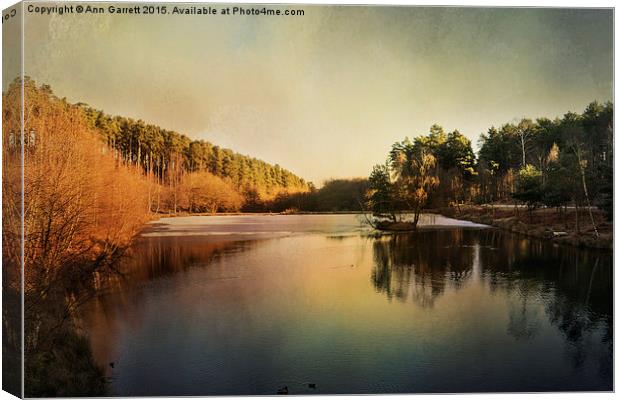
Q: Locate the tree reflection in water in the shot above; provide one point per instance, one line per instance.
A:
(420, 264)
(154, 258)
(573, 285)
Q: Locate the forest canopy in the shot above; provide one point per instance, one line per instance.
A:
(169, 160)
(557, 163)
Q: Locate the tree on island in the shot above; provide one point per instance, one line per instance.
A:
(380, 194)
(405, 182)
(413, 165)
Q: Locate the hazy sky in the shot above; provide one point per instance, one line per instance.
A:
(326, 94)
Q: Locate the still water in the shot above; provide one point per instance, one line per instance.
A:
(249, 304)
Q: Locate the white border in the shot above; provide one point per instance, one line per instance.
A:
(483, 3)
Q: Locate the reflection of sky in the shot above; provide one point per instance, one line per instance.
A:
(340, 83)
(244, 317)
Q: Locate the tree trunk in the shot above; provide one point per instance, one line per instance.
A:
(416, 218)
(523, 149)
(585, 190)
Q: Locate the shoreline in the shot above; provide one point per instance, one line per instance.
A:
(502, 217)
(545, 228)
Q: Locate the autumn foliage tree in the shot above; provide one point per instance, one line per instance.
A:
(205, 192)
(413, 166)
(82, 208)
(165, 157)
(406, 181)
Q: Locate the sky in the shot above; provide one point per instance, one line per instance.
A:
(326, 94)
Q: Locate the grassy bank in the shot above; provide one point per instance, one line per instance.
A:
(565, 226)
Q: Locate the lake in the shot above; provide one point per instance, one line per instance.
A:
(249, 304)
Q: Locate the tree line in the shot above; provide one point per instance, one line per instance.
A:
(336, 195)
(556, 163)
(191, 175)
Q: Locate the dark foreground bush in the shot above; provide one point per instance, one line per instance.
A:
(66, 369)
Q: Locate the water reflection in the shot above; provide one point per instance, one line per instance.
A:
(443, 310)
(156, 258)
(573, 285)
(419, 265)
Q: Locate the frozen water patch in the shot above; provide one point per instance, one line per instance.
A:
(283, 225)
